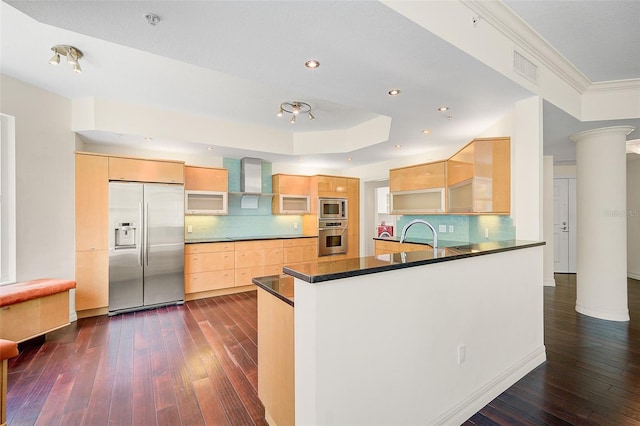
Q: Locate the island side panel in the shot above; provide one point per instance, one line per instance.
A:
(383, 348)
(275, 359)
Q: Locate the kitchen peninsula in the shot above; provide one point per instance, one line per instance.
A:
(424, 337)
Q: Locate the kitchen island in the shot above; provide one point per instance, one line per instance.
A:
(425, 337)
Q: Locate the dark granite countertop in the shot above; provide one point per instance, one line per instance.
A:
(246, 238)
(315, 272)
(280, 286)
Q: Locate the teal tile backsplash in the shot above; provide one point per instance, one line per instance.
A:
(465, 228)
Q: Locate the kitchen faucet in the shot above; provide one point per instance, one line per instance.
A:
(403, 235)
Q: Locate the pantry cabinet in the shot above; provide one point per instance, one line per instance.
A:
(92, 235)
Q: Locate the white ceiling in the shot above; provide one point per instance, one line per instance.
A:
(238, 60)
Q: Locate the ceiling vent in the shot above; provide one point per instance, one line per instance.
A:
(525, 67)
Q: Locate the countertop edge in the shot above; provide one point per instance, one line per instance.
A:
(257, 281)
(253, 238)
(372, 270)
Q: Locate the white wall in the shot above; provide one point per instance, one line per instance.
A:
(547, 232)
(45, 234)
(633, 219)
(382, 349)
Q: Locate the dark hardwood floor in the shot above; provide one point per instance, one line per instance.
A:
(197, 364)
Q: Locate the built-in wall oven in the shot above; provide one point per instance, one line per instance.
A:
(332, 208)
(332, 237)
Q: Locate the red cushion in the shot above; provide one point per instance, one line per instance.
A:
(8, 349)
(20, 292)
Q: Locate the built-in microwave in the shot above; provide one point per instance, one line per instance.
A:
(332, 208)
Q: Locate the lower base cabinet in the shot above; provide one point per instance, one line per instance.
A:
(215, 268)
(386, 247)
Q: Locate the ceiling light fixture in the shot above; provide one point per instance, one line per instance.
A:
(210, 148)
(295, 108)
(397, 146)
(443, 108)
(312, 63)
(148, 138)
(152, 18)
(73, 55)
(426, 131)
(394, 92)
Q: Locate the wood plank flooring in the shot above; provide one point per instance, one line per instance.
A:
(197, 365)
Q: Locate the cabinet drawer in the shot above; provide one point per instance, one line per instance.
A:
(299, 242)
(205, 281)
(260, 257)
(207, 247)
(258, 244)
(203, 262)
(300, 254)
(245, 275)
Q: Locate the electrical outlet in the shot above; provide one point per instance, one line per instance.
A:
(486, 232)
(295, 225)
(442, 228)
(450, 228)
(462, 354)
(189, 229)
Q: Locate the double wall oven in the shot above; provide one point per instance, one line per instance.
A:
(332, 226)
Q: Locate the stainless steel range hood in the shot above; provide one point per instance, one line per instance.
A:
(250, 183)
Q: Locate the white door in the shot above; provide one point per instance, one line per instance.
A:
(564, 246)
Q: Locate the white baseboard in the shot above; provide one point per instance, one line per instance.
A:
(73, 316)
(477, 400)
(633, 276)
(550, 282)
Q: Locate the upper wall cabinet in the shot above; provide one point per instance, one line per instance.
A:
(332, 186)
(479, 177)
(138, 170)
(291, 194)
(206, 191)
(418, 189)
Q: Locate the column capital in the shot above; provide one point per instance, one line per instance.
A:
(614, 130)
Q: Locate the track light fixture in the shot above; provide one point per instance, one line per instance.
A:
(295, 108)
(73, 55)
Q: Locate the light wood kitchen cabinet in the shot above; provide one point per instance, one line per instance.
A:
(139, 170)
(92, 280)
(386, 247)
(257, 258)
(418, 189)
(479, 177)
(208, 266)
(92, 232)
(206, 179)
(332, 186)
(353, 217)
(291, 194)
(420, 176)
(299, 250)
(92, 202)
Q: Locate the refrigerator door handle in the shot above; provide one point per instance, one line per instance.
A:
(146, 233)
(140, 234)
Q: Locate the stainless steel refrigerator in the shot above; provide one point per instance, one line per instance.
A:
(146, 246)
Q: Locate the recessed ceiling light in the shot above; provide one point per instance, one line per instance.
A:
(148, 138)
(301, 159)
(210, 148)
(312, 63)
(397, 146)
(443, 108)
(349, 159)
(426, 131)
(394, 92)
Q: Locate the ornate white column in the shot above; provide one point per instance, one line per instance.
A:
(601, 180)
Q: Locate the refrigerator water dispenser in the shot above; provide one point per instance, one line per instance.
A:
(125, 235)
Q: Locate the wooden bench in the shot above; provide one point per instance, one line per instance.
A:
(33, 308)
(8, 349)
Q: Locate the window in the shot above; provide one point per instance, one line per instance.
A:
(7, 199)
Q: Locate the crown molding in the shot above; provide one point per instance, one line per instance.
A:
(506, 21)
(615, 85)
